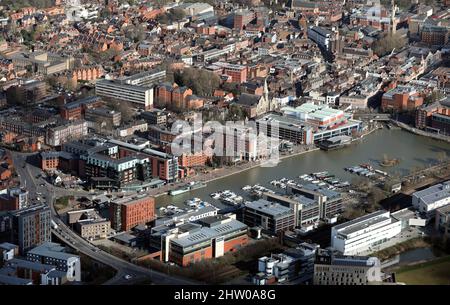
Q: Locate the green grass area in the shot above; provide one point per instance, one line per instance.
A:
(435, 272)
(62, 202)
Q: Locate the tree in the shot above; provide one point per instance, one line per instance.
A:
(433, 97)
(174, 15)
(135, 33)
(201, 82)
(389, 42)
(125, 110)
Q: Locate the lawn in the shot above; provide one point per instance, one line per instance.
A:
(436, 272)
(62, 203)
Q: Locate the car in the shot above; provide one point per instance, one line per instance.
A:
(127, 277)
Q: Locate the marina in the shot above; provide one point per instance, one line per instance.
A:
(187, 188)
(367, 170)
(414, 151)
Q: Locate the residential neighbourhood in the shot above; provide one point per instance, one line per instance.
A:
(235, 142)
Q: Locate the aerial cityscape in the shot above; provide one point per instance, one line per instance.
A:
(193, 143)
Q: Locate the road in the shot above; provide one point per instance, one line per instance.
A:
(28, 175)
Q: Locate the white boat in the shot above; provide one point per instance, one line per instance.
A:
(247, 188)
(315, 181)
(215, 195)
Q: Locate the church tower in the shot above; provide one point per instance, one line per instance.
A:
(393, 22)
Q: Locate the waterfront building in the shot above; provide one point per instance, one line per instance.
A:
(335, 269)
(401, 98)
(362, 234)
(428, 200)
(330, 202)
(307, 211)
(54, 254)
(435, 117)
(310, 123)
(271, 217)
(130, 211)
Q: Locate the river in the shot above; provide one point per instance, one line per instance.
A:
(412, 151)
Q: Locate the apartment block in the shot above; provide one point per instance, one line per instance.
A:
(128, 212)
(30, 227)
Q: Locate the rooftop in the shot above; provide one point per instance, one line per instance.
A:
(363, 222)
(49, 249)
(434, 193)
(274, 209)
(207, 233)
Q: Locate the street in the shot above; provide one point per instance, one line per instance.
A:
(127, 273)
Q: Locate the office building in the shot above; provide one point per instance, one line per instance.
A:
(54, 254)
(330, 202)
(31, 227)
(335, 269)
(128, 212)
(272, 217)
(212, 237)
(89, 224)
(309, 123)
(93, 228)
(362, 234)
(141, 97)
(428, 200)
(295, 264)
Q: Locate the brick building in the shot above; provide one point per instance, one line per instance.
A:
(434, 35)
(128, 212)
(401, 98)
